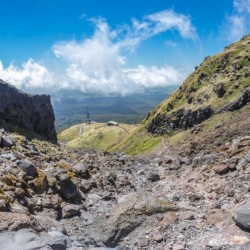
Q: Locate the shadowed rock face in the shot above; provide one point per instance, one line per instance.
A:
(180, 119)
(33, 112)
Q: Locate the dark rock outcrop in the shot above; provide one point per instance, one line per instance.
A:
(220, 90)
(32, 112)
(180, 119)
(241, 102)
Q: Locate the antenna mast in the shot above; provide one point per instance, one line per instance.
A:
(87, 113)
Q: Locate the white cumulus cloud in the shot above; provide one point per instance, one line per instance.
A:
(98, 64)
(168, 20)
(238, 23)
(242, 6)
(153, 76)
(30, 75)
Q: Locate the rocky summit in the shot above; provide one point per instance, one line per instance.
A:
(191, 193)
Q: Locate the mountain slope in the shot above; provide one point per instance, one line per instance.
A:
(193, 196)
(220, 84)
(95, 136)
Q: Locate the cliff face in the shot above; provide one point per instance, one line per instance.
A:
(32, 112)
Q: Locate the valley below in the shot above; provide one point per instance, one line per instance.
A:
(71, 106)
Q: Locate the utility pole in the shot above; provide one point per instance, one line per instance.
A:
(87, 113)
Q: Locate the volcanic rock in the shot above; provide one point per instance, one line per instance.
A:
(32, 112)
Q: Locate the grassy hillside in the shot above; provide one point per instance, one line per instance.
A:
(219, 81)
(95, 136)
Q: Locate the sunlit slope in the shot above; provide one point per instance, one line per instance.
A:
(95, 136)
(220, 81)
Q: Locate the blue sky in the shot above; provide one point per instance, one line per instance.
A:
(113, 45)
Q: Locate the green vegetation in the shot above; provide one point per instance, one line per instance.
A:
(231, 69)
(95, 136)
(139, 143)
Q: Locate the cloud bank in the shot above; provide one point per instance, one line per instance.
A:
(98, 64)
(238, 22)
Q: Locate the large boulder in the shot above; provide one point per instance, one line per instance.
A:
(7, 141)
(32, 112)
(127, 216)
(70, 211)
(81, 170)
(27, 167)
(242, 216)
(27, 239)
(66, 187)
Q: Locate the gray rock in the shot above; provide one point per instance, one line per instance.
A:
(7, 242)
(24, 236)
(3, 206)
(198, 160)
(56, 234)
(158, 238)
(69, 211)
(179, 247)
(8, 156)
(245, 246)
(24, 239)
(16, 221)
(27, 167)
(144, 242)
(86, 218)
(58, 244)
(244, 161)
(81, 170)
(77, 244)
(67, 188)
(184, 160)
(7, 141)
(102, 248)
(126, 217)
(242, 217)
